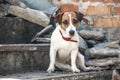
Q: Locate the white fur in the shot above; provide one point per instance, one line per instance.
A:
(62, 52)
(71, 26)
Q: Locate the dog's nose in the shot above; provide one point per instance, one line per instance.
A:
(71, 32)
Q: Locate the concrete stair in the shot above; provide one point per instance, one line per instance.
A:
(99, 75)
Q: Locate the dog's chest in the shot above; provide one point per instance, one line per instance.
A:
(64, 52)
(63, 47)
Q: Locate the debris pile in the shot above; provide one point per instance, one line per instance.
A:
(95, 44)
(18, 8)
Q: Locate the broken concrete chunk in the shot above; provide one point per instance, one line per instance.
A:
(112, 61)
(37, 4)
(2, 12)
(82, 45)
(91, 43)
(17, 3)
(31, 15)
(91, 35)
(114, 45)
(98, 52)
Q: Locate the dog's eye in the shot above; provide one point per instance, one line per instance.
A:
(65, 22)
(75, 21)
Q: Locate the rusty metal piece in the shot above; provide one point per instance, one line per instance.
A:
(116, 74)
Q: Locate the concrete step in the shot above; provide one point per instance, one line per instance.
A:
(23, 57)
(93, 75)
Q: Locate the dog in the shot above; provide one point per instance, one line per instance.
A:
(64, 52)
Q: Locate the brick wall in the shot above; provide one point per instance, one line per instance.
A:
(103, 13)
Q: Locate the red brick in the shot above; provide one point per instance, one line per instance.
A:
(75, 0)
(69, 8)
(117, 10)
(111, 1)
(106, 1)
(96, 0)
(115, 1)
(86, 0)
(99, 10)
(107, 22)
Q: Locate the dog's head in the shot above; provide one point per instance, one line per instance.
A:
(69, 21)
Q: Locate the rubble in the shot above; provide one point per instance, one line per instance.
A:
(82, 45)
(106, 63)
(36, 37)
(113, 44)
(98, 52)
(17, 3)
(102, 47)
(102, 50)
(89, 34)
(2, 12)
(31, 15)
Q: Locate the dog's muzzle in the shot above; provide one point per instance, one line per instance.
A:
(71, 32)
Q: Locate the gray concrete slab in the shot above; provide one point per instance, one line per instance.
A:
(42, 75)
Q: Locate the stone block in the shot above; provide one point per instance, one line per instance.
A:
(23, 58)
(14, 30)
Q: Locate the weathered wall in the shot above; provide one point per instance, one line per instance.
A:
(1, 11)
(16, 30)
(23, 57)
(101, 14)
(18, 55)
(105, 14)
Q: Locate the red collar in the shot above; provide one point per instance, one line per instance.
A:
(67, 39)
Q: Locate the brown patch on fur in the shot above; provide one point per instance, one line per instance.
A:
(76, 16)
(86, 21)
(66, 20)
(115, 77)
(79, 16)
(58, 18)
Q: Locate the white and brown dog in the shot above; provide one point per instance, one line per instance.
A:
(64, 51)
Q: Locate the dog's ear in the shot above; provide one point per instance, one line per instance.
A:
(86, 21)
(58, 18)
(79, 16)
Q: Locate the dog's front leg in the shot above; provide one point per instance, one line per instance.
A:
(73, 61)
(52, 60)
(81, 62)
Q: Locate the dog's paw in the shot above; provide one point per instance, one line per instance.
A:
(75, 70)
(50, 69)
(89, 68)
(96, 68)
